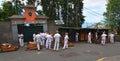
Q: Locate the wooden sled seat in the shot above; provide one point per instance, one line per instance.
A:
(6, 47)
(70, 44)
(32, 46)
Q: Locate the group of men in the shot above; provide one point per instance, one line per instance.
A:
(103, 37)
(45, 40)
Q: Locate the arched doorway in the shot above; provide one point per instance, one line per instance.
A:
(29, 30)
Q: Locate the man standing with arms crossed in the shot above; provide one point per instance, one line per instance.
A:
(21, 40)
(57, 41)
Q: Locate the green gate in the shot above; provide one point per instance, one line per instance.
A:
(28, 31)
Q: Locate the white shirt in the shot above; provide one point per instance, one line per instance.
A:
(43, 36)
(37, 37)
(34, 35)
(57, 36)
(96, 35)
(66, 38)
(89, 34)
(103, 36)
(49, 38)
(111, 35)
(20, 36)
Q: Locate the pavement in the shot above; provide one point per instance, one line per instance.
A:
(112, 58)
(80, 52)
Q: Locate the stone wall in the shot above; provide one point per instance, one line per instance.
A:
(5, 32)
(52, 27)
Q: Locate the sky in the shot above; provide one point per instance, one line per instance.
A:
(92, 10)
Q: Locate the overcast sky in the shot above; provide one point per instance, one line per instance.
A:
(93, 10)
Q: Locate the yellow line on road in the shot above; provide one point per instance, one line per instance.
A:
(101, 59)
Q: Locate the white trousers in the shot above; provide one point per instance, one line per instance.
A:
(48, 44)
(43, 42)
(76, 38)
(65, 44)
(89, 40)
(103, 41)
(21, 42)
(38, 45)
(56, 45)
(112, 40)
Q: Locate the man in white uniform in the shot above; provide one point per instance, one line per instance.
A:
(112, 37)
(57, 40)
(66, 41)
(96, 35)
(103, 38)
(77, 37)
(42, 39)
(34, 37)
(21, 41)
(38, 40)
(49, 39)
(89, 37)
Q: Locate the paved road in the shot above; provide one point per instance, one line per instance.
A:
(80, 52)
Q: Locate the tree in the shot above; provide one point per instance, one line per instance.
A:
(2, 15)
(49, 9)
(112, 15)
(12, 7)
(7, 11)
(71, 11)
